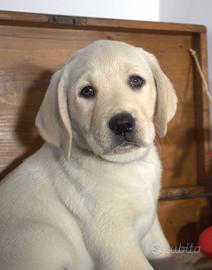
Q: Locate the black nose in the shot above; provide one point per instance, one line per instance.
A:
(122, 123)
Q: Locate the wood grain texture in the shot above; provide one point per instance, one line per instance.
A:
(98, 23)
(185, 192)
(33, 46)
(184, 220)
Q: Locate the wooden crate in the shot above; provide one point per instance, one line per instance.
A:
(33, 46)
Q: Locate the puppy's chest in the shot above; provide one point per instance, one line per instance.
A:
(128, 191)
(126, 194)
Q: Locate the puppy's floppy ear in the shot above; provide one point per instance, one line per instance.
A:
(166, 104)
(53, 121)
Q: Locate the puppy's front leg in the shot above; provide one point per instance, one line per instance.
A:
(157, 249)
(118, 249)
(154, 244)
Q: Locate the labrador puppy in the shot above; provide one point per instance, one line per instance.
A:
(88, 198)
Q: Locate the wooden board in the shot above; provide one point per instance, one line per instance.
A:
(33, 46)
(184, 220)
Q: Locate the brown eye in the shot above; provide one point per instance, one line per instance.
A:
(88, 92)
(136, 81)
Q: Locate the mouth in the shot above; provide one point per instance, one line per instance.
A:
(125, 146)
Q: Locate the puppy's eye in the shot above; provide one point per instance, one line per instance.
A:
(136, 81)
(88, 92)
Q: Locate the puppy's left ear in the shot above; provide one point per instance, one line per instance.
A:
(166, 104)
(53, 121)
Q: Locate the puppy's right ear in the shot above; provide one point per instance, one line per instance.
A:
(53, 121)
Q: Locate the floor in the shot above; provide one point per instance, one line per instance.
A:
(197, 260)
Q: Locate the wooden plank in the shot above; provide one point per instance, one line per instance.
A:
(99, 22)
(206, 108)
(11, 16)
(185, 193)
(150, 26)
(184, 220)
(202, 112)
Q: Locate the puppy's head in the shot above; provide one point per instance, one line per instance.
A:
(109, 99)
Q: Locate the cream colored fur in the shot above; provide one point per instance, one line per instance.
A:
(82, 202)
